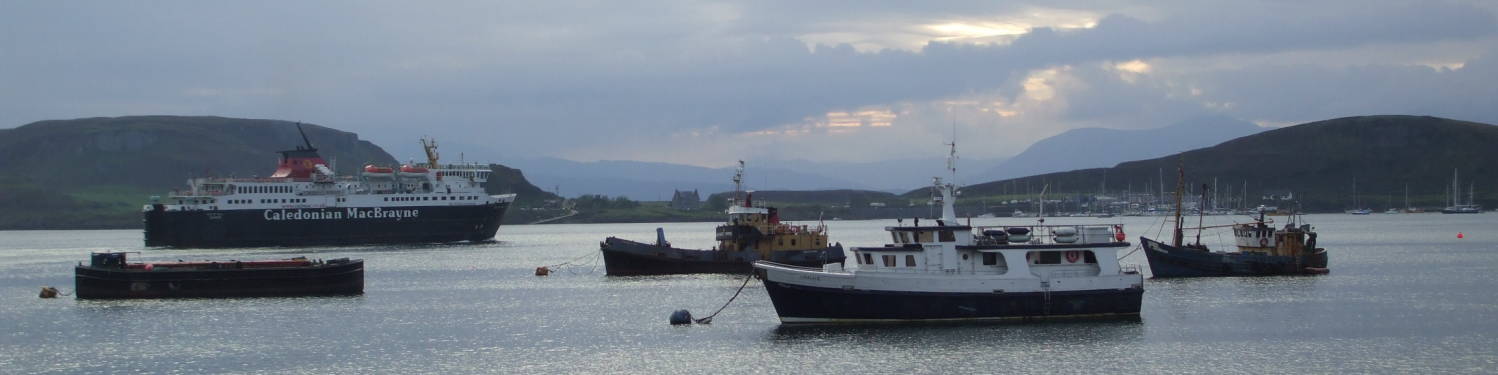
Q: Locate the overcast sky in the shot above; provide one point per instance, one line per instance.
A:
(707, 83)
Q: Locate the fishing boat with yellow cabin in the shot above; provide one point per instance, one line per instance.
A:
(751, 233)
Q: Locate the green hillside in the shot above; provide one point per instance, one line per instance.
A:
(1316, 161)
(97, 172)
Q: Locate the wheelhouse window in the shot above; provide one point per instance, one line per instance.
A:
(990, 259)
(947, 236)
(868, 259)
(923, 237)
(1048, 257)
(889, 260)
(910, 261)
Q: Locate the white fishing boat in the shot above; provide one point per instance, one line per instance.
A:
(949, 271)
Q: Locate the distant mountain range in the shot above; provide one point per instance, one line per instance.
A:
(1316, 161)
(649, 181)
(1074, 149)
(898, 175)
(1098, 147)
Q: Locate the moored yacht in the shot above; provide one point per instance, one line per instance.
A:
(949, 271)
(1457, 207)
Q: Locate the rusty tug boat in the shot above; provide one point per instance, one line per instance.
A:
(110, 276)
(752, 233)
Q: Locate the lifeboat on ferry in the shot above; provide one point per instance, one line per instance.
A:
(371, 170)
(413, 171)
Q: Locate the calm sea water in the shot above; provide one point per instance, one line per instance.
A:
(1404, 295)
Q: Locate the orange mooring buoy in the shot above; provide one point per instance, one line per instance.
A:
(1459, 235)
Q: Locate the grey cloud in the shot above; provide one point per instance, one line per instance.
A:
(539, 76)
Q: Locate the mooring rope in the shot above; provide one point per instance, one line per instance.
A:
(1140, 245)
(592, 264)
(709, 318)
(589, 254)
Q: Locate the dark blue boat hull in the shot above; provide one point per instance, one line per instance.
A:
(629, 258)
(1168, 261)
(803, 304)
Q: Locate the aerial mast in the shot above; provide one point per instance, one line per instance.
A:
(738, 182)
(1180, 187)
(430, 146)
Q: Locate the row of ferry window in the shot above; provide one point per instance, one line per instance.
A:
(266, 201)
(262, 189)
(437, 198)
(989, 259)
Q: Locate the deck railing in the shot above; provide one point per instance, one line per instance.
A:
(1046, 234)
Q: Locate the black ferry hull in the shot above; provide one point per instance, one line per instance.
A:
(1168, 261)
(345, 278)
(628, 258)
(806, 304)
(322, 226)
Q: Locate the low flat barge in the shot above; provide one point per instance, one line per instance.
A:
(110, 276)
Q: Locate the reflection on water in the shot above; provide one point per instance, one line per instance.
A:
(963, 334)
(1415, 299)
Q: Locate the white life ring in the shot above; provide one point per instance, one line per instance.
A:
(1263, 242)
(1073, 256)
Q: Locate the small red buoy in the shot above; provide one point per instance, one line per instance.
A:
(1459, 235)
(542, 271)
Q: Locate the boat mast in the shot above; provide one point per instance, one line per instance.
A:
(1355, 194)
(948, 191)
(304, 137)
(1456, 189)
(1406, 196)
(430, 146)
(738, 183)
(1201, 214)
(1180, 186)
(1471, 193)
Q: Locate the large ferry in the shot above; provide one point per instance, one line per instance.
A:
(950, 271)
(305, 203)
